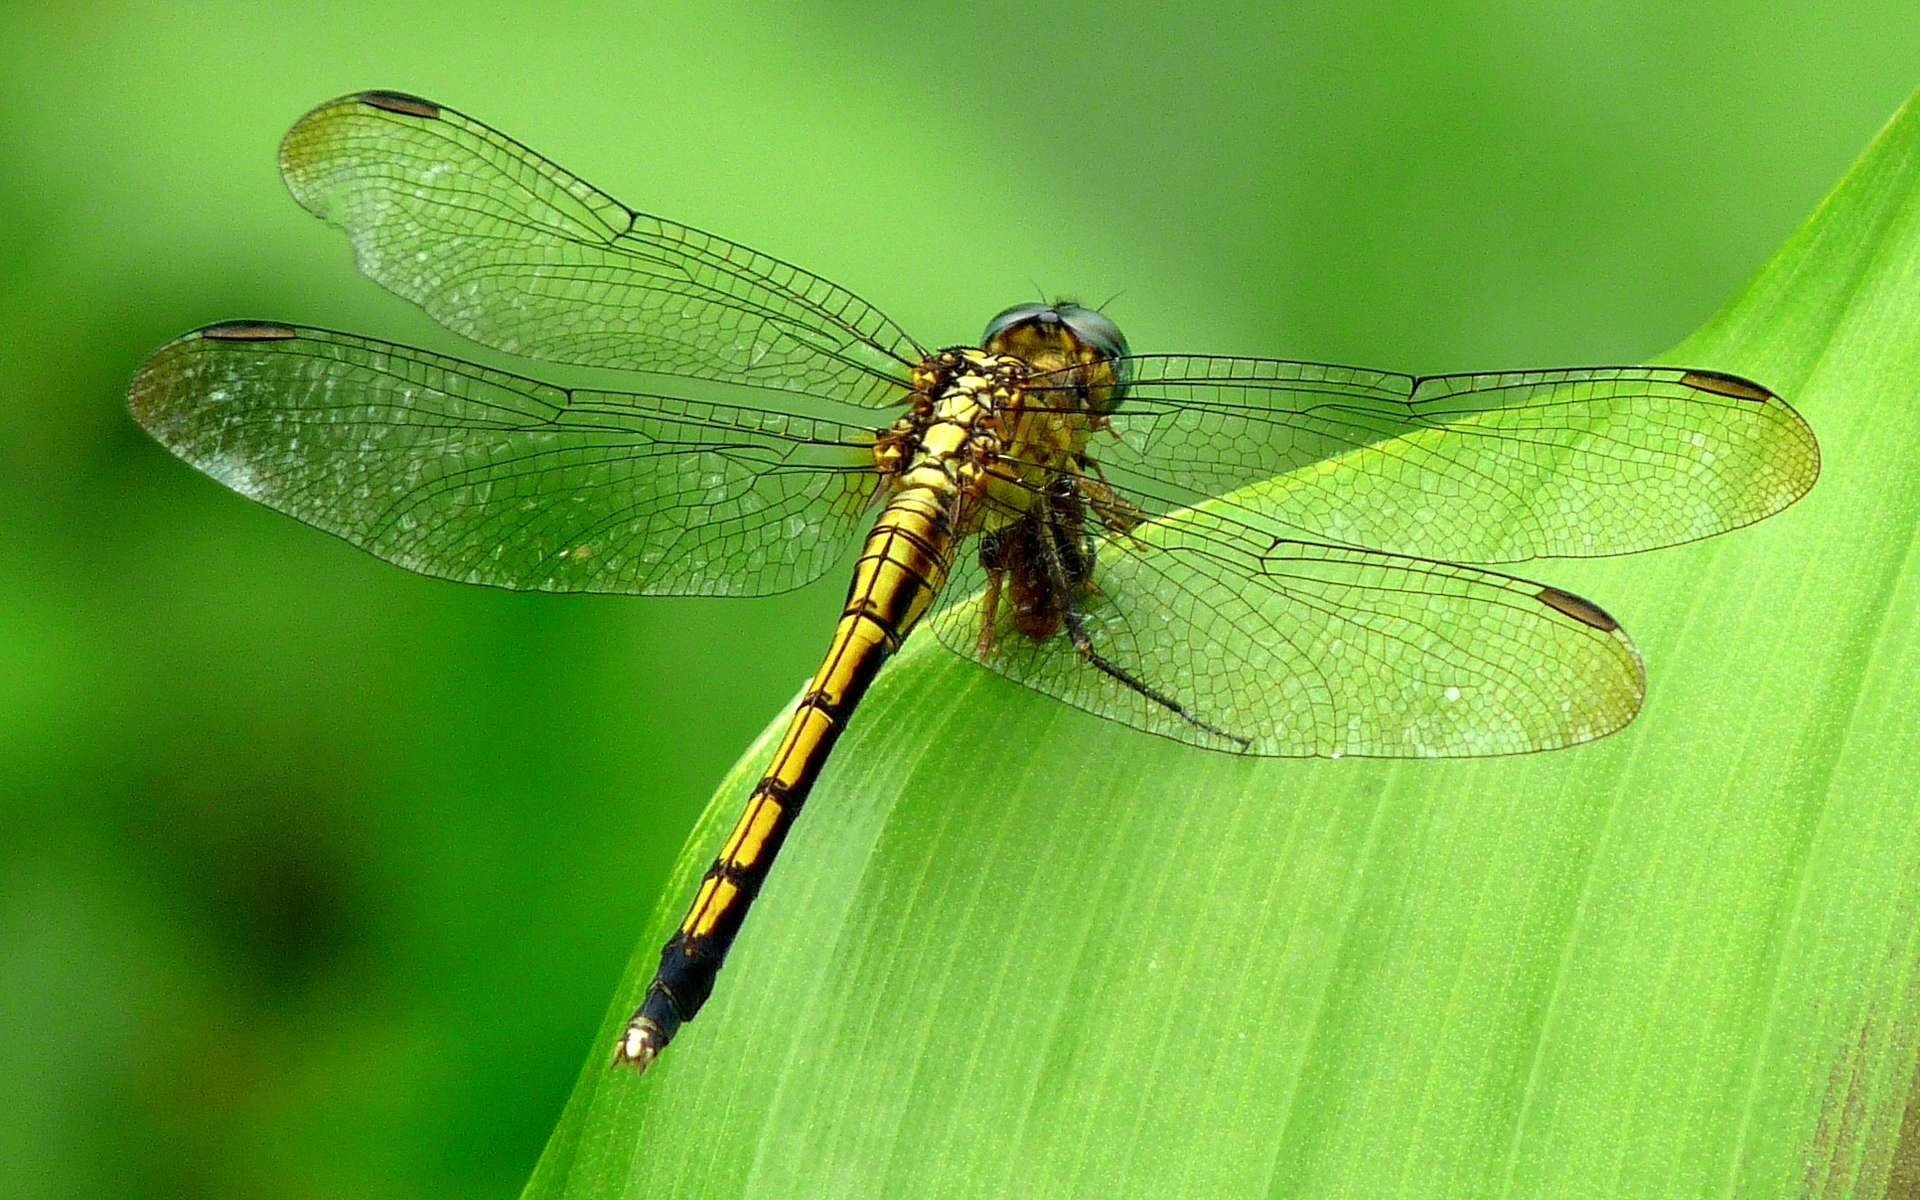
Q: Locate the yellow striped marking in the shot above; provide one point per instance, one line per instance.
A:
(699, 905)
(797, 749)
(894, 580)
(756, 826)
(740, 827)
(722, 899)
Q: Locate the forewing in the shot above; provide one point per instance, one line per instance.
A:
(1478, 468)
(462, 472)
(1282, 647)
(504, 247)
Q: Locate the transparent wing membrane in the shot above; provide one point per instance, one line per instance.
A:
(1250, 556)
(504, 247)
(458, 471)
(1272, 646)
(1274, 546)
(1484, 468)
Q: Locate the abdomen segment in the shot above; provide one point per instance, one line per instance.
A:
(901, 568)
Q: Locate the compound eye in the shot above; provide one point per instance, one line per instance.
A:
(1009, 317)
(1096, 329)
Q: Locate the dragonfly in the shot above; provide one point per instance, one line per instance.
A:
(1251, 556)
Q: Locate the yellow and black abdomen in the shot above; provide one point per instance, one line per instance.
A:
(900, 571)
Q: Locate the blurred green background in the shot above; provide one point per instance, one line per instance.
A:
(315, 877)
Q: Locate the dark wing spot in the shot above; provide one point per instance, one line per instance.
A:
(249, 331)
(1579, 608)
(1727, 385)
(400, 102)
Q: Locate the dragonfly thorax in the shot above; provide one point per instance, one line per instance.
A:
(963, 399)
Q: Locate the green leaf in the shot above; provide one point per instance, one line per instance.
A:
(1014, 950)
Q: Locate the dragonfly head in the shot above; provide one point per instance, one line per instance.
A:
(1054, 337)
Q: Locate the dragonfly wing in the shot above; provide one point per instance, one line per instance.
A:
(462, 472)
(1480, 468)
(1281, 647)
(505, 247)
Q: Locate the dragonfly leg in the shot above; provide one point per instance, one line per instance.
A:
(995, 557)
(989, 612)
(1083, 645)
(1120, 515)
(1082, 639)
